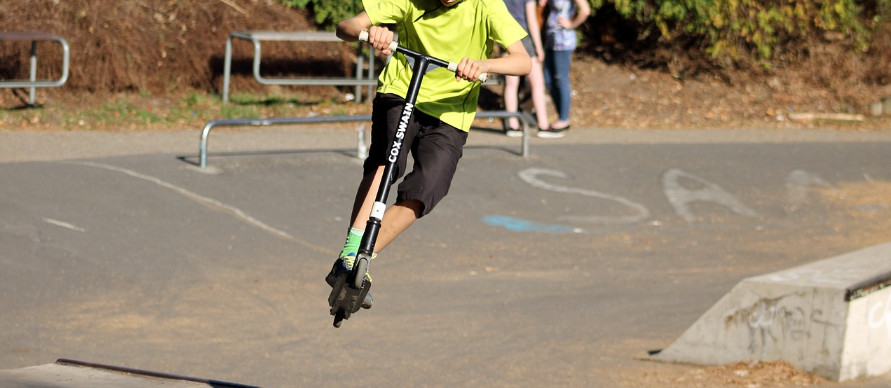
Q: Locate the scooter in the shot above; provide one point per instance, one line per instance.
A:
(351, 287)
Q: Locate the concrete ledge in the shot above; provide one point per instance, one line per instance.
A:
(831, 317)
(79, 374)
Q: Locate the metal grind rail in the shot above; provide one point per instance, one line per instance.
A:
(524, 119)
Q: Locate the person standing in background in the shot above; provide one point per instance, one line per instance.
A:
(525, 11)
(562, 18)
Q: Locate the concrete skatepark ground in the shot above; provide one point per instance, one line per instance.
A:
(565, 268)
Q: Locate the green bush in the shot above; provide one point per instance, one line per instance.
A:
(725, 29)
(328, 12)
(730, 28)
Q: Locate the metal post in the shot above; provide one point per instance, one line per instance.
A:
(371, 88)
(256, 65)
(227, 69)
(361, 146)
(359, 60)
(33, 77)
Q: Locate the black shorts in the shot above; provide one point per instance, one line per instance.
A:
(435, 147)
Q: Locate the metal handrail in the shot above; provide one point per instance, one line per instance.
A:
(32, 83)
(524, 119)
(256, 37)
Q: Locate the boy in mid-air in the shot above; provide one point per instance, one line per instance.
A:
(446, 105)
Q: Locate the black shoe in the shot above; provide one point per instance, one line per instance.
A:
(552, 133)
(338, 268)
(341, 267)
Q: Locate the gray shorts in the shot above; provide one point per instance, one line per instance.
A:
(529, 46)
(435, 147)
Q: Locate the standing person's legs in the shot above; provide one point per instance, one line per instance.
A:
(539, 99)
(511, 91)
(511, 99)
(561, 90)
(548, 68)
(553, 81)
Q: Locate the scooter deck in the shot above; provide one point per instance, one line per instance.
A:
(346, 299)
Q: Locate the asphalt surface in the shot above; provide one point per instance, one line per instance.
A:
(564, 268)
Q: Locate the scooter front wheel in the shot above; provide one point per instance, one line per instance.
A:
(359, 270)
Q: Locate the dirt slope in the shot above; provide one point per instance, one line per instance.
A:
(153, 46)
(154, 52)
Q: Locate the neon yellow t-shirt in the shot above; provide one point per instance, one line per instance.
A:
(468, 29)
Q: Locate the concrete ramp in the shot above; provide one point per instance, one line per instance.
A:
(78, 374)
(831, 317)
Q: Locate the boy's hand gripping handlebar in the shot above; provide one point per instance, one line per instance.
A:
(411, 55)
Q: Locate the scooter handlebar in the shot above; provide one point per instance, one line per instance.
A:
(453, 66)
(394, 45)
(363, 37)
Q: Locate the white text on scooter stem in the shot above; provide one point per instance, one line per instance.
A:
(400, 132)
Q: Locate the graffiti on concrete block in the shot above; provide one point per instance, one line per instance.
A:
(880, 316)
(774, 327)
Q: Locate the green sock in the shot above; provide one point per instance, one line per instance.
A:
(351, 245)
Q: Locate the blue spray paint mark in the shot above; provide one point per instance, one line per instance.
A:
(519, 225)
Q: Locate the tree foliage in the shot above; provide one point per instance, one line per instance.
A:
(724, 30)
(730, 28)
(328, 13)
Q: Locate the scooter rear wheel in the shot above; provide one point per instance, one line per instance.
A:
(338, 318)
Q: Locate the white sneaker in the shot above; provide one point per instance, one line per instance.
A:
(552, 133)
